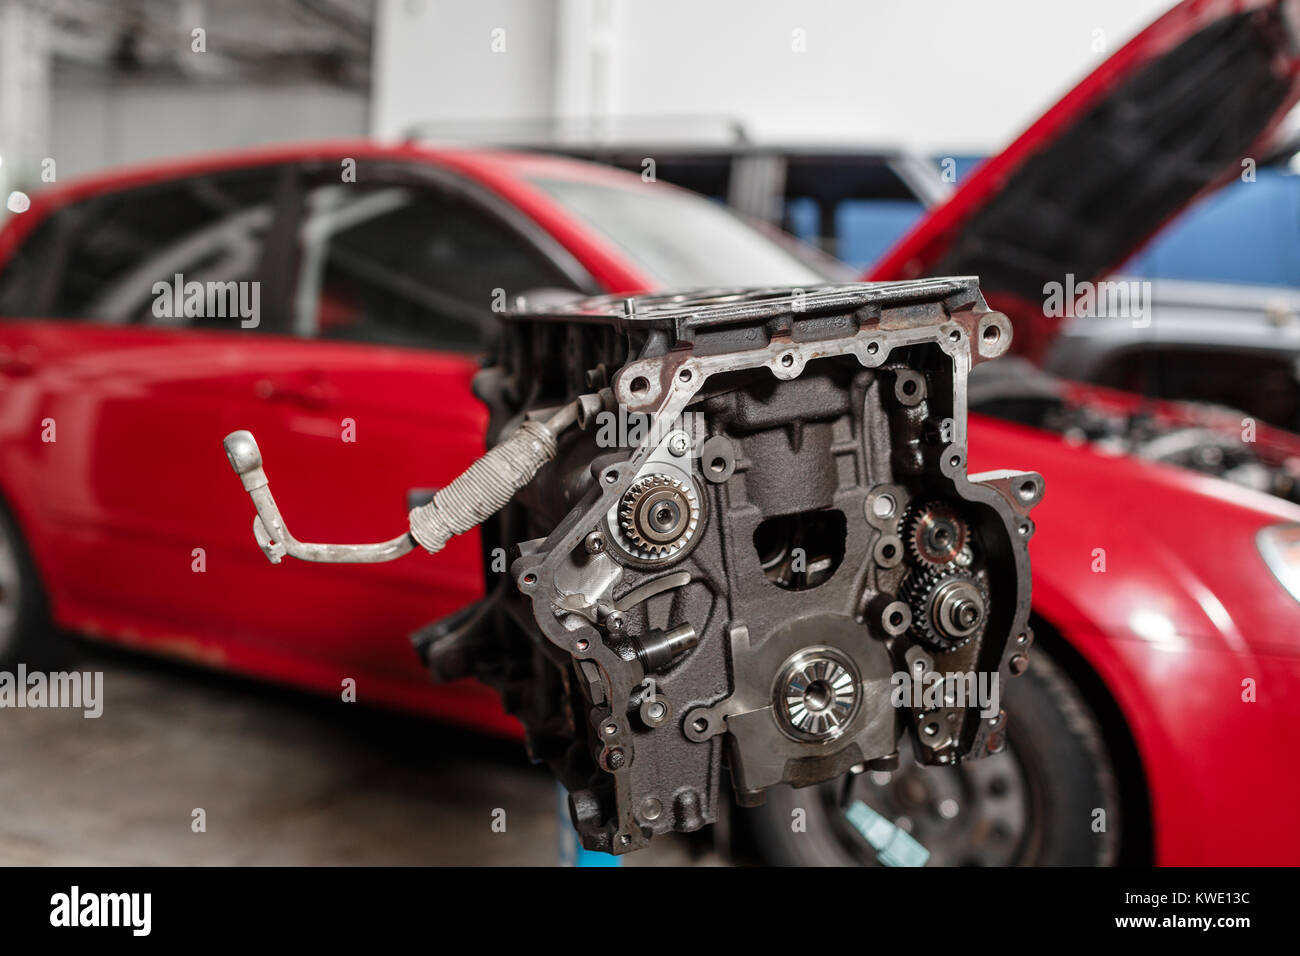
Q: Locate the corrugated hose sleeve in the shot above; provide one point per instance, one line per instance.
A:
(485, 487)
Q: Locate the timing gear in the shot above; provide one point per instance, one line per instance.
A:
(949, 606)
(658, 516)
(936, 534)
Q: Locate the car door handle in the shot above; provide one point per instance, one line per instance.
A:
(16, 362)
(317, 393)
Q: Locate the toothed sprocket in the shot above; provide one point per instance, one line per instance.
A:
(950, 606)
(935, 534)
(659, 516)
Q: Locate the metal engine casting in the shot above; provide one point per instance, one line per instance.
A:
(762, 518)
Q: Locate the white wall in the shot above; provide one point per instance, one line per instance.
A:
(947, 75)
(24, 97)
(433, 59)
(108, 124)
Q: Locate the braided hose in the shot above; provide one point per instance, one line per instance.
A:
(487, 486)
(483, 489)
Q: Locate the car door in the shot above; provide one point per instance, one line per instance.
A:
(118, 387)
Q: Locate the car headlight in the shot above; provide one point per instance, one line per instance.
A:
(1279, 546)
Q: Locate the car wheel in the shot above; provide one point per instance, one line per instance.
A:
(22, 604)
(1034, 804)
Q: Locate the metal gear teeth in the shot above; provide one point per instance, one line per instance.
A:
(919, 589)
(654, 550)
(915, 525)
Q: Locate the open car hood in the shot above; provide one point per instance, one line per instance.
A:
(1165, 119)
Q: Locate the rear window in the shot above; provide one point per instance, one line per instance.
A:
(681, 240)
(24, 279)
(99, 258)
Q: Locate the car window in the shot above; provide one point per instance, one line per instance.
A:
(26, 274)
(103, 259)
(852, 207)
(703, 172)
(860, 230)
(410, 264)
(681, 240)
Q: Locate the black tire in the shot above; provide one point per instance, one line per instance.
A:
(1055, 769)
(25, 635)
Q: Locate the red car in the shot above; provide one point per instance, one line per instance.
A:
(355, 284)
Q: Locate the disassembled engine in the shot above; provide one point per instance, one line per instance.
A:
(733, 521)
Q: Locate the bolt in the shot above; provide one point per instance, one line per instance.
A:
(594, 543)
(614, 622)
(678, 444)
(968, 614)
(654, 712)
(615, 758)
(1019, 664)
(651, 809)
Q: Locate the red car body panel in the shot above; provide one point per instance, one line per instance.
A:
(113, 510)
(1183, 613)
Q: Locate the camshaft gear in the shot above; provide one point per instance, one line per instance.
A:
(949, 606)
(935, 534)
(659, 516)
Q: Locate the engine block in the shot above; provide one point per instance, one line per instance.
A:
(760, 531)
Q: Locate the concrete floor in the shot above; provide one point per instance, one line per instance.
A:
(284, 779)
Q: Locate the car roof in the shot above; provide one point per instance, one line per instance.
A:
(504, 172)
(479, 163)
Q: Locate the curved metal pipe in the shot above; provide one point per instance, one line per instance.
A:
(507, 472)
(270, 530)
